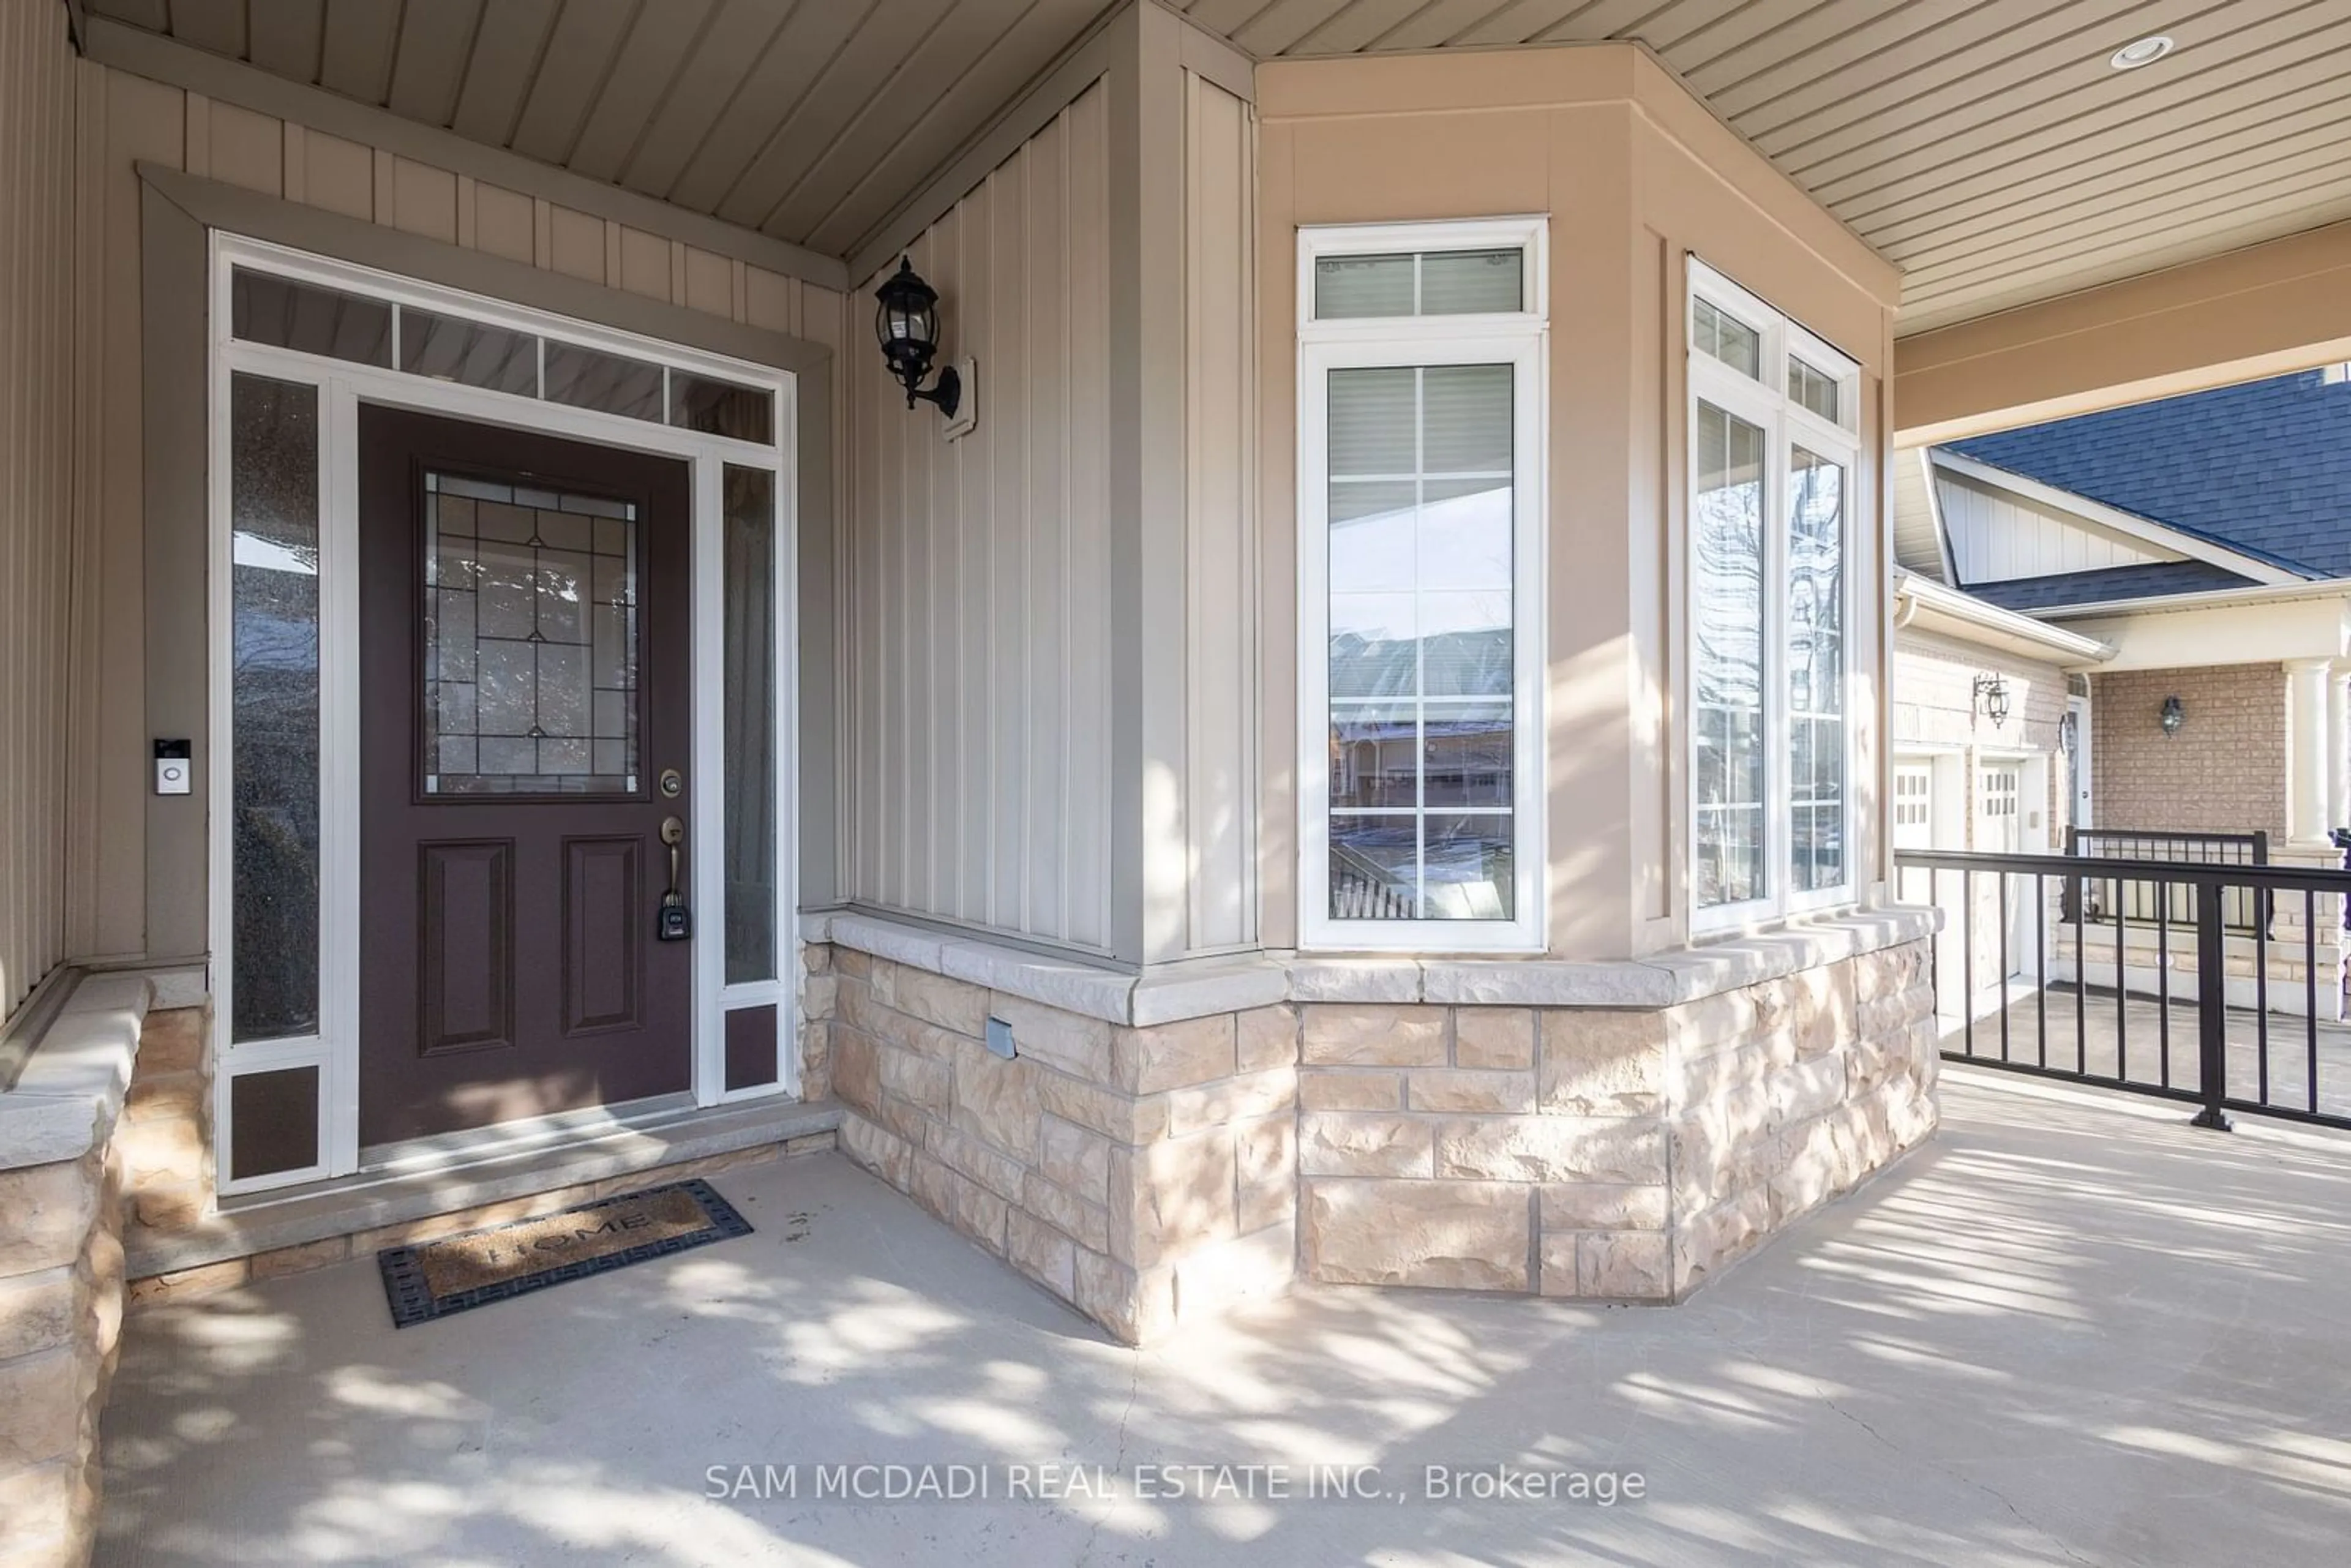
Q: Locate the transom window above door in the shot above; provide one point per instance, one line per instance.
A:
(1420, 457)
(1772, 472)
(440, 345)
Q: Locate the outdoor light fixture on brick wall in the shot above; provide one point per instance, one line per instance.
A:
(908, 326)
(2174, 716)
(1991, 699)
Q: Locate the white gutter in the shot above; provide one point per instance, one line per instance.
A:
(2323, 587)
(1965, 615)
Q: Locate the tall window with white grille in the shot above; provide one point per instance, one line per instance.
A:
(1419, 508)
(1772, 457)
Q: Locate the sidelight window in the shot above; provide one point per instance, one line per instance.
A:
(274, 609)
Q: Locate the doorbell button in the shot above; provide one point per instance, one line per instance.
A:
(175, 769)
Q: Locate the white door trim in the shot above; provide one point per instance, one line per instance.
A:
(343, 387)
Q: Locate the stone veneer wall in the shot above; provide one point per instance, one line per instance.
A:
(167, 1173)
(1144, 1176)
(1597, 1154)
(61, 1271)
(60, 1322)
(1148, 1176)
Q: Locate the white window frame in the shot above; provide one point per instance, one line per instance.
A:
(1765, 401)
(343, 387)
(1520, 339)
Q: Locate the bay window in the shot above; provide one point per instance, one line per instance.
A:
(1420, 548)
(1773, 463)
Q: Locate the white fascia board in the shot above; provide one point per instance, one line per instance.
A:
(2145, 530)
(1930, 606)
(1935, 510)
(2298, 591)
(2258, 628)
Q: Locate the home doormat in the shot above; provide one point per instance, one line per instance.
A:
(435, 1279)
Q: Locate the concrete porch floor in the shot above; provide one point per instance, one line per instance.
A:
(2072, 1329)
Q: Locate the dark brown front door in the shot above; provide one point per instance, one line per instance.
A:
(524, 685)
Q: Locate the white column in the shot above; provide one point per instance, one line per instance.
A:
(2339, 745)
(2309, 781)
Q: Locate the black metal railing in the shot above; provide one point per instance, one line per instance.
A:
(2240, 911)
(2019, 985)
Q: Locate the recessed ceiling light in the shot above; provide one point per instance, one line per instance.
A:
(2144, 52)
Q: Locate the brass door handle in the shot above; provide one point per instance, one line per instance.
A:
(672, 833)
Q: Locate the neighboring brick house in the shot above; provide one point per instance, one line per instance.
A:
(2197, 553)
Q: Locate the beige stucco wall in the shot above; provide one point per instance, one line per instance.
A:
(42, 525)
(1634, 176)
(137, 891)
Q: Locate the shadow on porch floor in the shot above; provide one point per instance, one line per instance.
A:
(2070, 1330)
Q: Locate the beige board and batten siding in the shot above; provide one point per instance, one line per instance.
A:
(977, 674)
(147, 856)
(44, 468)
(1052, 697)
(1221, 591)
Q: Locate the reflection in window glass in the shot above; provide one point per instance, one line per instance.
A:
(274, 792)
(1816, 671)
(449, 349)
(588, 378)
(1420, 570)
(1815, 389)
(720, 408)
(750, 723)
(1726, 524)
(531, 640)
(1726, 338)
(288, 315)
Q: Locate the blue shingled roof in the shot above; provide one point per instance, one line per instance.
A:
(2264, 468)
(2105, 587)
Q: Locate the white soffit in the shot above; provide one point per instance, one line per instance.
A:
(1919, 542)
(1990, 149)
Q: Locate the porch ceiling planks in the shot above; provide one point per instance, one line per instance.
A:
(810, 121)
(1986, 146)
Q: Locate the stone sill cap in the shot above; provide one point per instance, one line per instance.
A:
(67, 1097)
(1233, 984)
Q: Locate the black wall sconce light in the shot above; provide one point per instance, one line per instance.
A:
(2174, 716)
(908, 326)
(1991, 699)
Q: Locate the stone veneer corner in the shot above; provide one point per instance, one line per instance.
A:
(1152, 1175)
